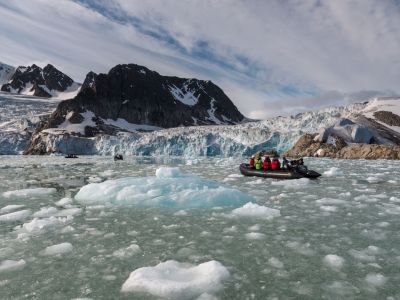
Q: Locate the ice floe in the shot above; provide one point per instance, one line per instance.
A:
(58, 249)
(129, 251)
(169, 188)
(254, 210)
(16, 216)
(12, 265)
(29, 193)
(333, 261)
(175, 280)
(375, 279)
(10, 208)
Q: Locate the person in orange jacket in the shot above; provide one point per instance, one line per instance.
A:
(267, 164)
(275, 164)
(252, 162)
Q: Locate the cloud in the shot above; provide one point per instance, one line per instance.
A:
(270, 57)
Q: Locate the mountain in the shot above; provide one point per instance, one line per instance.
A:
(48, 82)
(6, 72)
(132, 97)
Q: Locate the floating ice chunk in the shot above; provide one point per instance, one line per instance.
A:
(41, 225)
(235, 176)
(375, 279)
(276, 263)
(255, 236)
(10, 208)
(29, 193)
(333, 172)
(169, 188)
(361, 255)
(69, 212)
(12, 265)
(333, 261)
(174, 280)
(330, 201)
(254, 210)
(129, 251)
(164, 172)
(64, 202)
(16, 216)
(58, 249)
(45, 212)
(328, 208)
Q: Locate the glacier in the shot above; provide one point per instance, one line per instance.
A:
(21, 114)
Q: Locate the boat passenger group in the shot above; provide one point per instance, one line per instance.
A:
(264, 162)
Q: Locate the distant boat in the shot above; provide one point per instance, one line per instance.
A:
(71, 156)
(118, 157)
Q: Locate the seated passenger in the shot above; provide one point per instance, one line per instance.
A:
(257, 163)
(275, 164)
(267, 164)
(285, 164)
(252, 162)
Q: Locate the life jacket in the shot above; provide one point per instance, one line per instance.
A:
(266, 165)
(275, 164)
(252, 163)
(257, 164)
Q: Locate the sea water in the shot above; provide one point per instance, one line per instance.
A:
(151, 228)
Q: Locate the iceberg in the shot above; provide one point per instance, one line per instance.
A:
(170, 188)
(175, 280)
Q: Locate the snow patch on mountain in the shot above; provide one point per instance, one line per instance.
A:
(184, 95)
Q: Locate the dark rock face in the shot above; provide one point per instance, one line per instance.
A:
(39, 81)
(387, 117)
(142, 96)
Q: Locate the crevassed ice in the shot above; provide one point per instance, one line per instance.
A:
(169, 188)
(175, 280)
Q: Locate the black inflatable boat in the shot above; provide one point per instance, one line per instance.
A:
(294, 173)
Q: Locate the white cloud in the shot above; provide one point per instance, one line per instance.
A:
(252, 49)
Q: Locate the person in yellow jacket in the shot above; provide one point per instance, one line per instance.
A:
(258, 163)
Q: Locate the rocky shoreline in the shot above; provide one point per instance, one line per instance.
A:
(309, 146)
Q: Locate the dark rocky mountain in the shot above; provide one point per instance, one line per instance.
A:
(36, 81)
(141, 96)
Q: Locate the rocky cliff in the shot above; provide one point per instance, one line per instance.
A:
(134, 95)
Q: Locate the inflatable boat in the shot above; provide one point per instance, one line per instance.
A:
(294, 173)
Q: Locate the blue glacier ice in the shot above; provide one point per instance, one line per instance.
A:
(170, 188)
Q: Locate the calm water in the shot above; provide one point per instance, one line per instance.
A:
(352, 214)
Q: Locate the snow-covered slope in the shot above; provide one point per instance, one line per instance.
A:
(6, 72)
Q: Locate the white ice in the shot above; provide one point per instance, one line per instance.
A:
(129, 251)
(333, 261)
(375, 279)
(175, 280)
(253, 210)
(16, 216)
(58, 249)
(12, 265)
(169, 188)
(10, 208)
(29, 193)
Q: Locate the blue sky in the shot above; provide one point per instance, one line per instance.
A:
(270, 57)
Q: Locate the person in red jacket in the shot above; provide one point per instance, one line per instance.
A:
(275, 164)
(252, 162)
(267, 163)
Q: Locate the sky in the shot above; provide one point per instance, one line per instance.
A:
(271, 57)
